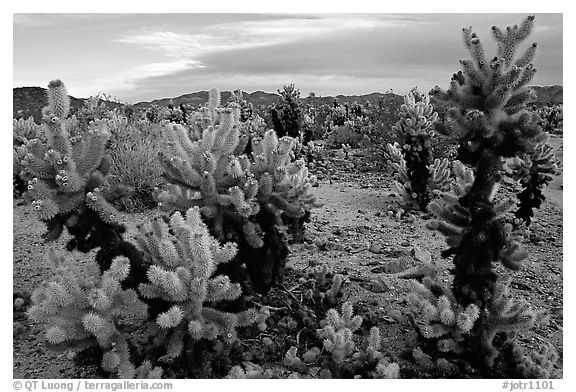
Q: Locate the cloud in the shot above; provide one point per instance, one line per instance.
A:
(251, 34)
(140, 56)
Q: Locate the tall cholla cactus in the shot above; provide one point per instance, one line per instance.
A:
(534, 172)
(67, 182)
(241, 198)
(183, 273)
(489, 99)
(415, 128)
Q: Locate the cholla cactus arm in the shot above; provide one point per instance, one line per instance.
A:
(439, 175)
(286, 184)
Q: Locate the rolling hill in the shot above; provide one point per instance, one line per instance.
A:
(29, 101)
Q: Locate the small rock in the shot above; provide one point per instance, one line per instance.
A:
(376, 286)
(396, 314)
(405, 243)
(375, 248)
(361, 211)
(422, 255)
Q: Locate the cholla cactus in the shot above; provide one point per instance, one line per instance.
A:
(82, 308)
(415, 127)
(438, 180)
(492, 122)
(337, 332)
(242, 198)
(533, 172)
(489, 99)
(66, 176)
(184, 273)
(440, 176)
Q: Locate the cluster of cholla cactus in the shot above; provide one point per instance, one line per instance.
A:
(176, 304)
(552, 118)
(242, 197)
(340, 356)
(439, 177)
(489, 98)
(67, 182)
(533, 171)
(417, 174)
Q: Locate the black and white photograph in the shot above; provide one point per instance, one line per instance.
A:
(287, 195)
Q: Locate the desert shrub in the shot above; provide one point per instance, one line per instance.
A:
(317, 115)
(135, 165)
(134, 161)
(352, 132)
(384, 114)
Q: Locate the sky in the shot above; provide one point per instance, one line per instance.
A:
(140, 57)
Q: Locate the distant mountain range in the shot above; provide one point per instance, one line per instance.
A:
(29, 101)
